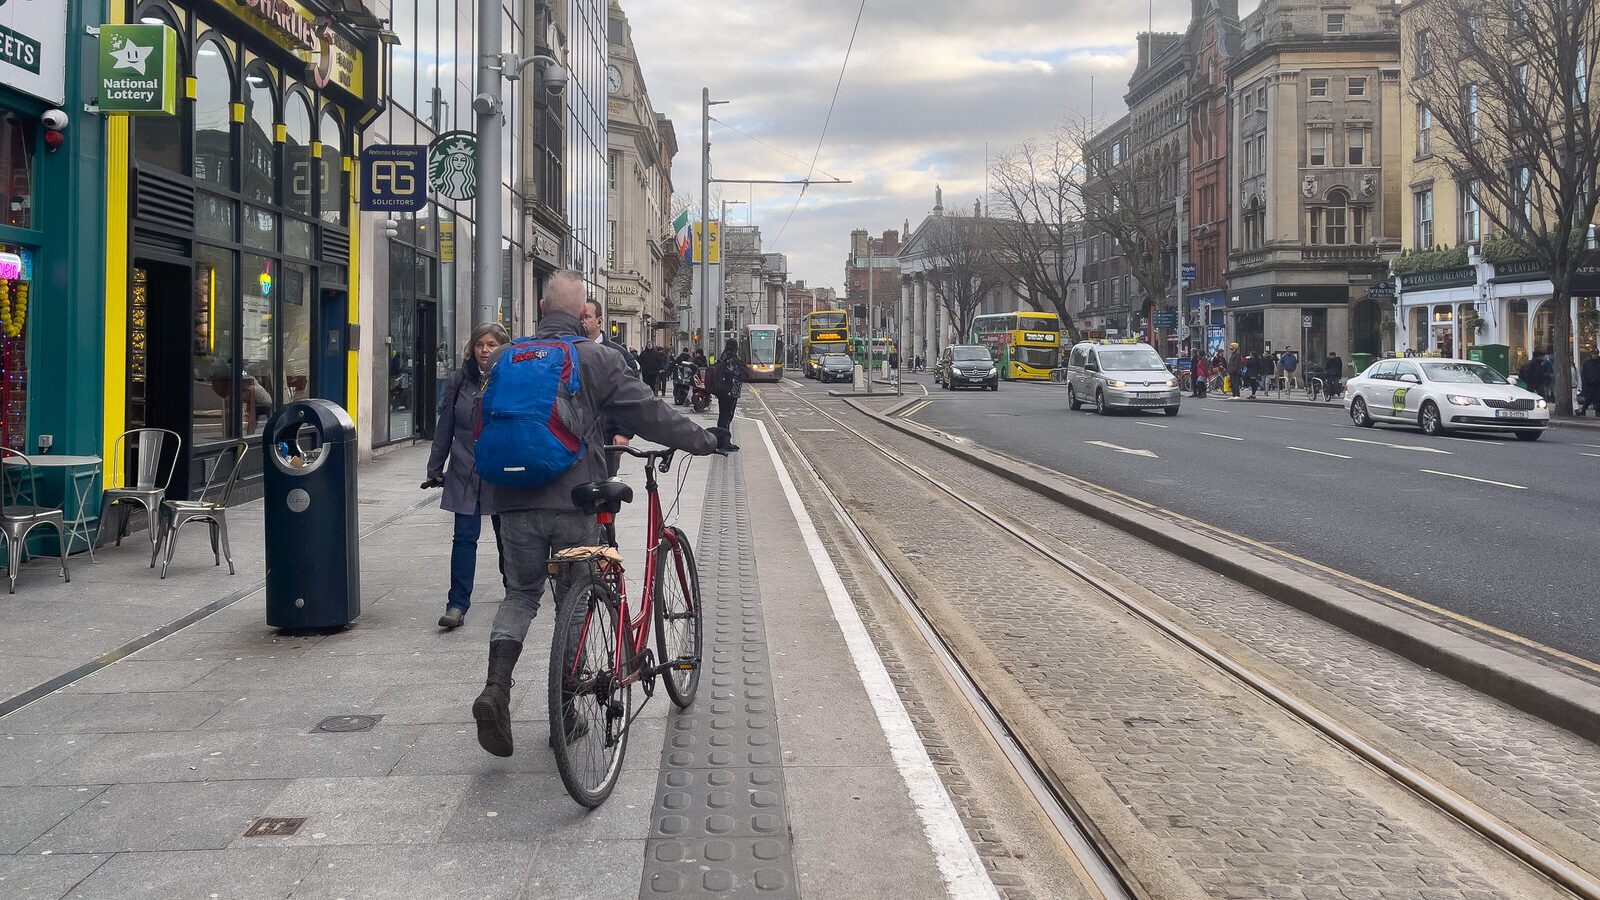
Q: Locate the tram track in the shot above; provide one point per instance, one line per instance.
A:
(1077, 831)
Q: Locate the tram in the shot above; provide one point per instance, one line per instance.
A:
(761, 347)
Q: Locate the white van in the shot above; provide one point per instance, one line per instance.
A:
(1115, 374)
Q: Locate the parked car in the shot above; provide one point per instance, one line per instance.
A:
(1441, 395)
(966, 365)
(1115, 374)
(835, 367)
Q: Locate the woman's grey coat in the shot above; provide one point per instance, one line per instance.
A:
(454, 437)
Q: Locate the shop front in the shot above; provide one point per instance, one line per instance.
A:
(229, 287)
(1312, 319)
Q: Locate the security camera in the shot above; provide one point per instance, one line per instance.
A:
(555, 78)
(54, 119)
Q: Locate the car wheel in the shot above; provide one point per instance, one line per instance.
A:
(1432, 424)
(995, 386)
(1359, 414)
(1171, 410)
(1100, 403)
(1073, 403)
(1529, 435)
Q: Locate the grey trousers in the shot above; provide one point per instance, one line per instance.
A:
(527, 538)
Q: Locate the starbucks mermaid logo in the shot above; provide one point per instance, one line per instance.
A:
(453, 165)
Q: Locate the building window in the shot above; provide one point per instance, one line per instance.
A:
(1358, 224)
(1471, 213)
(1424, 50)
(1317, 142)
(1356, 87)
(335, 203)
(613, 162)
(1580, 87)
(260, 144)
(1422, 212)
(611, 245)
(1522, 188)
(1471, 101)
(213, 115)
(297, 153)
(1335, 23)
(1338, 209)
(1356, 147)
(1424, 130)
(1319, 88)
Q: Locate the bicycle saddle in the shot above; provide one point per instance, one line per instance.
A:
(595, 497)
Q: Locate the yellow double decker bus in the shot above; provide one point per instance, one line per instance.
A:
(1025, 345)
(826, 331)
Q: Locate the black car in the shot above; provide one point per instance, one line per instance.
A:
(967, 365)
(835, 367)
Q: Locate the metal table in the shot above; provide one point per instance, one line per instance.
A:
(78, 475)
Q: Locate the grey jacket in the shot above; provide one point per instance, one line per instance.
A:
(455, 436)
(608, 391)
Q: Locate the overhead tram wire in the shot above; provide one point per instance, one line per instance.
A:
(777, 150)
(825, 120)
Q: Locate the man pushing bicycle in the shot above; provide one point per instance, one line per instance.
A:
(544, 401)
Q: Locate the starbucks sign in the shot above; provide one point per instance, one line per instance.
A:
(453, 165)
(33, 47)
(138, 69)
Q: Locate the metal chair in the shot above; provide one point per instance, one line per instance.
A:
(150, 484)
(211, 508)
(18, 519)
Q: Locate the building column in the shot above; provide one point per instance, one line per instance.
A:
(903, 336)
(930, 334)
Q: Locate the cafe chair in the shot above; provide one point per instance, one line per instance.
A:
(151, 480)
(211, 508)
(18, 517)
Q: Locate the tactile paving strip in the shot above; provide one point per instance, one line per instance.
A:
(719, 825)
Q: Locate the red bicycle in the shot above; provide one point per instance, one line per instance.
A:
(600, 647)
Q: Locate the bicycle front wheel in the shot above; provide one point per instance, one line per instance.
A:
(679, 631)
(590, 702)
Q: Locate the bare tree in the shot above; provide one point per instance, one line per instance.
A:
(1132, 200)
(1037, 191)
(1506, 83)
(961, 266)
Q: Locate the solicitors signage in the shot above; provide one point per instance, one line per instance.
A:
(138, 70)
(33, 47)
(394, 177)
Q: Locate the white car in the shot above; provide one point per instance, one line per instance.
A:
(1441, 395)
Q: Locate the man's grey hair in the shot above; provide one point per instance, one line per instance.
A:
(565, 292)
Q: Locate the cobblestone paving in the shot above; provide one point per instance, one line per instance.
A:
(1239, 798)
(1531, 761)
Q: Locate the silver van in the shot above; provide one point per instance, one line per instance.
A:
(1120, 374)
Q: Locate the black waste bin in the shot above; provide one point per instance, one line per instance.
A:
(313, 535)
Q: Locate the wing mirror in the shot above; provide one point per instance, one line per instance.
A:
(1409, 378)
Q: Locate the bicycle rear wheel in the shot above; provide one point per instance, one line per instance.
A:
(679, 631)
(590, 704)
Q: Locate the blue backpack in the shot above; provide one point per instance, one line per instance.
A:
(529, 425)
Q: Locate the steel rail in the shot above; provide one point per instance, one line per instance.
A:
(1531, 852)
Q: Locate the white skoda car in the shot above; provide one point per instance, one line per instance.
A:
(1442, 395)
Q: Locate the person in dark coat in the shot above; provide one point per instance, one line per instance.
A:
(464, 493)
(726, 378)
(1589, 377)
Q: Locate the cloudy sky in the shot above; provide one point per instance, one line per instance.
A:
(928, 83)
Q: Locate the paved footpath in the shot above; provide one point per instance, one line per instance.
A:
(137, 774)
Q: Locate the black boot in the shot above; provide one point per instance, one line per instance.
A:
(492, 709)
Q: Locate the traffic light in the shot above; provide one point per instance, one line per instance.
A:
(860, 310)
(615, 331)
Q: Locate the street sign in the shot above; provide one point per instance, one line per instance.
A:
(1165, 318)
(1384, 290)
(395, 178)
(138, 70)
(1190, 271)
(1305, 321)
(453, 165)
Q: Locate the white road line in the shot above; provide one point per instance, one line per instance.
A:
(1398, 446)
(1279, 418)
(1596, 446)
(1226, 437)
(1152, 425)
(810, 430)
(1595, 455)
(1520, 487)
(1128, 450)
(959, 864)
(1319, 452)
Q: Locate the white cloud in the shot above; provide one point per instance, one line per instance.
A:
(928, 83)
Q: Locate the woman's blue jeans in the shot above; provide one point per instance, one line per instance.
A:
(464, 558)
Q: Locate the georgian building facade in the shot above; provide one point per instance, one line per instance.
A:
(1214, 43)
(637, 187)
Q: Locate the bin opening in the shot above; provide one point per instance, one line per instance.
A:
(298, 445)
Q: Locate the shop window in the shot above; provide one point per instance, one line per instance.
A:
(297, 183)
(257, 386)
(297, 238)
(16, 171)
(16, 287)
(214, 298)
(260, 148)
(214, 217)
(158, 140)
(260, 228)
(294, 324)
(213, 119)
(334, 194)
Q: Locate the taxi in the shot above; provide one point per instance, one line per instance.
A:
(1443, 395)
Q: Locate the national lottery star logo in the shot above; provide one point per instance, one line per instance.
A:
(128, 55)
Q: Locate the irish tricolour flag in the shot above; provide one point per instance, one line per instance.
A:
(684, 235)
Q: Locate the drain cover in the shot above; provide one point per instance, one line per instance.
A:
(346, 724)
(274, 827)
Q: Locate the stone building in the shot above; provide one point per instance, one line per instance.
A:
(1213, 44)
(1107, 283)
(1315, 159)
(876, 258)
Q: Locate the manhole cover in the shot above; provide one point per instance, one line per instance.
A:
(274, 827)
(345, 724)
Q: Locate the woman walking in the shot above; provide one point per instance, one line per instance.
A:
(727, 375)
(464, 494)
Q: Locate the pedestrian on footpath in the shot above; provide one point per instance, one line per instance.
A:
(1198, 374)
(464, 493)
(1532, 373)
(595, 330)
(1290, 361)
(1236, 366)
(1332, 374)
(536, 522)
(894, 367)
(1589, 377)
(724, 381)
